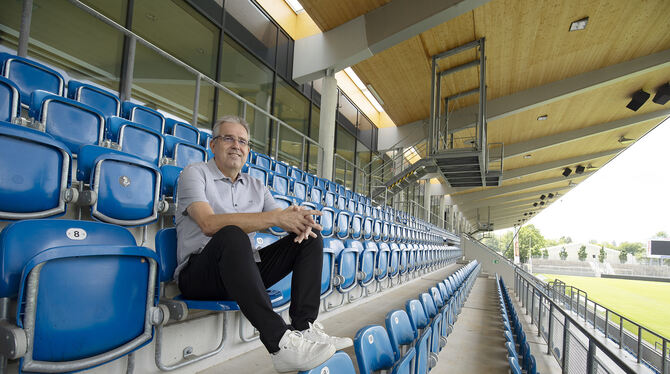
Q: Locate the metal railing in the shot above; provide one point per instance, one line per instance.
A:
(199, 77)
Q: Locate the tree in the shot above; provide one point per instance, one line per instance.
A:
(602, 255)
(563, 254)
(662, 234)
(492, 242)
(593, 241)
(565, 240)
(623, 257)
(582, 253)
(632, 248)
(545, 254)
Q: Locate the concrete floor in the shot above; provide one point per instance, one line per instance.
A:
(475, 346)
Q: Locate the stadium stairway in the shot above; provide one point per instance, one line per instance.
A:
(458, 356)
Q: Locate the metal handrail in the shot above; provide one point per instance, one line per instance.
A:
(198, 76)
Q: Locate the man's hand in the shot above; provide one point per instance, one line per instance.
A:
(299, 221)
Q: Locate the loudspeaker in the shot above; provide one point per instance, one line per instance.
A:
(639, 98)
(579, 169)
(566, 172)
(542, 197)
(534, 204)
(662, 94)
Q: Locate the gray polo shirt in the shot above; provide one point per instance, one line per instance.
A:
(204, 181)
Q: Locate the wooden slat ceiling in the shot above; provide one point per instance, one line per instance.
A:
(527, 45)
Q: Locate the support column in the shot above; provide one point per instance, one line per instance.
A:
(327, 124)
(24, 31)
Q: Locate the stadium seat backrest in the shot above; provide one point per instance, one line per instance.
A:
(422, 352)
(367, 261)
(262, 160)
(339, 363)
(347, 261)
(183, 152)
(299, 190)
(144, 115)
(329, 199)
(283, 285)
(428, 304)
(104, 101)
(259, 173)
(280, 167)
(417, 315)
(383, 258)
(437, 297)
(341, 202)
(316, 194)
(30, 76)
(283, 202)
(136, 139)
(69, 121)
(373, 349)
(295, 173)
(327, 220)
(356, 226)
(310, 179)
(342, 224)
(10, 100)
(279, 183)
(182, 130)
(170, 175)
(83, 267)
(205, 137)
(127, 188)
(400, 331)
(367, 227)
(32, 185)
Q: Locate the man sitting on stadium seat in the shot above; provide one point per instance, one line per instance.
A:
(219, 210)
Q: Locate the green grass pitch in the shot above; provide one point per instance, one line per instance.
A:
(646, 303)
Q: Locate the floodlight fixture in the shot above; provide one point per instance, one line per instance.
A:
(567, 172)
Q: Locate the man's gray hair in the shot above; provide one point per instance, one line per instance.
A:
(231, 119)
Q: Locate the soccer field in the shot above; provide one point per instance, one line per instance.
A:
(646, 303)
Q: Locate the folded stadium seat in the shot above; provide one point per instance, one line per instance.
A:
(367, 210)
(421, 325)
(356, 226)
(394, 260)
(332, 186)
(374, 352)
(30, 76)
(144, 115)
(342, 224)
(262, 160)
(10, 100)
(205, 138)
(259, 173)
(321, 183)
(326, 220)
(346, 272)
(283, 202)
(104, 101)
(411, 258)
(32, 185)
(381, 263)
(331, 248)
(182, 130)
(84, 290)
(296, 173)
(393, 233)
(316, 194)
(366, 264)
(69, 121)
(166, 249)
(367, 227)
(351, 205)
(386, 228)
(136, 139)
(280, 167)
(400, 331)
(514, 365)
(341, 190)
(122, 189)
(339, 363)
(360, 208)
(329, 199)
(349, 194)
(299, 190)
(170, 174)
(441, 310)
(284, 284)
(377, 225)
(279, 183)
(310, 179)
(341, 202)
(182, 152)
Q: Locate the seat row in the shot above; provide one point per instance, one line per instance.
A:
(518, 349)
(412, 338)
(25, 83)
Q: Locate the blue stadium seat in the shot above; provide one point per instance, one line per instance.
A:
(123, 189)
(280, 167)
(259, 173)
(310, 179)
(382, 264)
(69, 121)
(182, 152)
(373, 349)
(400, 331)
(64, 277)
(136, 139)
(394, 260)
(417, 315)
(205, 138)
(283, 286)
(30, 76)
(299, 190)
(326, 220)
(104, 101)
(346, 261)
(329, 199)
(377, 230)
(342, 224)
(356, 226)
(367, 227)
(182, 130)
(339, 363)
(341, 202)
(10, 100)
(144, 115)
(262, 160)
(406, 365)
(283, 202)
(366, 262)
(331, 248)
(296, 173)
(170, 175)
(36, 171)
(279, 183)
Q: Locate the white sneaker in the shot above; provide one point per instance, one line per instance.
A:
(315, 333)
(296, 353)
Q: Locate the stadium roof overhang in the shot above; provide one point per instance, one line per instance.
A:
(580, 80)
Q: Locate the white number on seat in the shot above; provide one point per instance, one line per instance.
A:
(76, 234)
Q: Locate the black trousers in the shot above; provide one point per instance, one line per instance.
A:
(226, 270)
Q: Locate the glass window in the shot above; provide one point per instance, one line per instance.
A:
(345, 143)
(84, 47)
(293, 108)
(366, 131)
(283, 56)
(347, 112)
(363, 170)
(252, 28)
(179, 30)
(161, 84)
(313, 152)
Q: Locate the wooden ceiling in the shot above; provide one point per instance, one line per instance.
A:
(527, 45)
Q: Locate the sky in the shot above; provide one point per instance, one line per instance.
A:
(628, 199)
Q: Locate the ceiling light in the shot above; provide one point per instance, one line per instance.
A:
(542, 197)
(625, 140)
(364, 89)
(550, 196)
(541, 202)
(527, 156)
(566, 172)
(542, 117)
(375, 94)
(295, 6)
(639, 98)
(579, 169)
(662, 94)
(534, 204)
(579, 24)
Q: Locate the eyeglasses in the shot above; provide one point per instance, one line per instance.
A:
(231, 140)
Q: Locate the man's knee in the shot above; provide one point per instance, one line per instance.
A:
(232, 237)
(316, 243)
